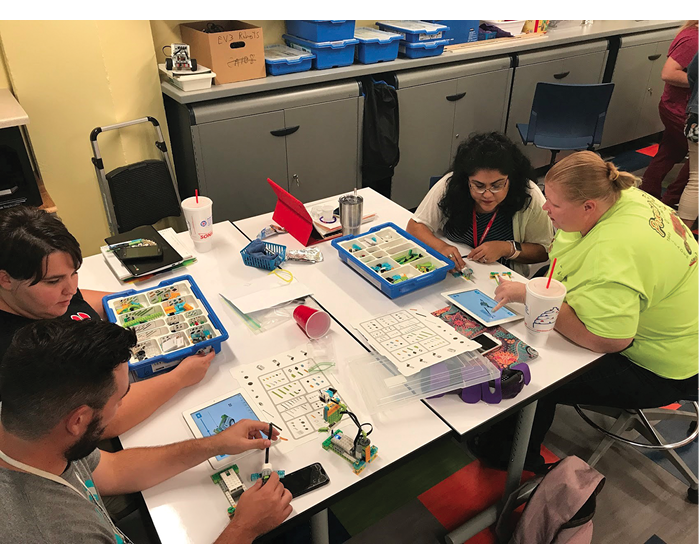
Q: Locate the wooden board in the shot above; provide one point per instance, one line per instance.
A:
(497, 41)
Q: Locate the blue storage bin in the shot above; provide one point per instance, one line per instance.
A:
(321, 30)
(328, 54)
(162, 362)
(376, 45)
(249, 260)
(281, 59)
(414, 31)
(460, 31)
(353, 250)
(422, 49)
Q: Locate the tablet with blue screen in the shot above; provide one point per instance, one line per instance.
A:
(480, 306)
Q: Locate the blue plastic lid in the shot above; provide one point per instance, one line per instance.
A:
(425, 45)
(414, 27)
(281, 54)
(339, 44)
(371, 35)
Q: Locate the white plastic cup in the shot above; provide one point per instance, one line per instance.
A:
(541, 308)
(198, 216)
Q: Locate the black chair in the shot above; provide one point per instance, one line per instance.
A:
(569, 117)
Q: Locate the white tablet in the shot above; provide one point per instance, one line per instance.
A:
(480, 306)
(218, 414)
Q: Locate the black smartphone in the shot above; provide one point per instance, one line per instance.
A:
(487, 342)
(305, 479)
(139, 253)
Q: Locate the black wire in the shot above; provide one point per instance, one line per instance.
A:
(355, 420)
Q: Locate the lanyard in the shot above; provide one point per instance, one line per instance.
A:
(477, 242)
(59, 480)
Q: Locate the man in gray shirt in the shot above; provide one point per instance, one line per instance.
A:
(61, 384)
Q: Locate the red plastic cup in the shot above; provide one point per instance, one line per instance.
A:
(315, 323)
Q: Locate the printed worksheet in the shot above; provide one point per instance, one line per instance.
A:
(413, 340)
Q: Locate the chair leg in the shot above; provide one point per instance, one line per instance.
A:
(661, 414)
(619, 426)
(554, 152)
(654, 436)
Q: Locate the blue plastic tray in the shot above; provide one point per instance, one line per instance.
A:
(281, 60)
(414, 31)
(321, 30)
(359, 259)
(376, 45)
(328, 54)
(422, 49)
(249, 260)
(167, 361)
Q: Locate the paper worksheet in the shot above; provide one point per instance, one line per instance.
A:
(413, 339)
(264, 292)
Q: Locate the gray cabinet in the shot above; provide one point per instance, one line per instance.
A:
(575, 64)
(633, 110)
(306, 141)
(439, 108)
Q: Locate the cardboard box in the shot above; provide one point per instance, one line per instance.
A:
(236, 54)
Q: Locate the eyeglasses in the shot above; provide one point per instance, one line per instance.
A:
(495, 188)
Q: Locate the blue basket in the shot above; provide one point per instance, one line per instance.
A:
(321, 30)
(281, 60)
(460, 31)
(167, 361)
(328, 54)
(422, 49)
(415, 31)
(249, 260)
(376, 45)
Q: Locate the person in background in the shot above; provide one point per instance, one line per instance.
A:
(690, 196)
(672, 107)
(55, 410)
(39, 262)
(487, 202)
(629, 266)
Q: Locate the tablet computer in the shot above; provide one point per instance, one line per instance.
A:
(480, 306)
(216, 415)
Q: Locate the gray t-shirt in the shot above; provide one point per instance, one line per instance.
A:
(34, 509)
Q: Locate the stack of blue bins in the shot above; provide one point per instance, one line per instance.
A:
(376, 45)
(280, 60)
(419, 38)
(332, 42)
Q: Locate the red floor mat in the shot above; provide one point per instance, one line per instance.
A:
(650, 151)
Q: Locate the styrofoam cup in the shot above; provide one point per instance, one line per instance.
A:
(315, 323)
(198, 216)
(541, 308)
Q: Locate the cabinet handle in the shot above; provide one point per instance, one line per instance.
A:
(455, 97)
(296, 179)
(561, 75)
(284, 131)
(654, 57)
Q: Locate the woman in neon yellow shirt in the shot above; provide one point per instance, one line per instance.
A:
(629, 265)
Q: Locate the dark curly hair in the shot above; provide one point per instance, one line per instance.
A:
(486, 151)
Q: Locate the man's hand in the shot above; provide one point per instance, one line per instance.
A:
(260, 509)
(489, 252)
(243, 436)
(509, 291)
(192, 369)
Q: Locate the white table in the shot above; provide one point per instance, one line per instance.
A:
(189, 508)
(350, 298)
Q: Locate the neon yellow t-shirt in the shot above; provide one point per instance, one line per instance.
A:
(634, 275)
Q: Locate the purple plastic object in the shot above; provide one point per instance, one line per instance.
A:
(514, 377)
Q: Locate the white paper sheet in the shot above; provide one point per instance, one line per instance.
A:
(264, 292)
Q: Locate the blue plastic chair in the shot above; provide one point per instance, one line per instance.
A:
(566, 117)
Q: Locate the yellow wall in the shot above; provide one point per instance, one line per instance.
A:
(107, 75)
(4, 77)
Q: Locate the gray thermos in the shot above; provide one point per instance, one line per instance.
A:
(351, 209)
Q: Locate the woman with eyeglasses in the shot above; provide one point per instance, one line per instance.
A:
(487, 202)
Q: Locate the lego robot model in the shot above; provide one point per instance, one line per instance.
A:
(357, 452)
(179, 59)
(266, 471)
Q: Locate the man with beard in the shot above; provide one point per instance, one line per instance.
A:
(61, 384)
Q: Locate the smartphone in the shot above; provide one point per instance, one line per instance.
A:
(488, 342)
(139, 253)
(305, 479)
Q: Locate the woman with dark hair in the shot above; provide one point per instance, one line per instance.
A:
(489, 203)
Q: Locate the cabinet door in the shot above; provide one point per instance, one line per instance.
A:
(484, 106)
(234, 159)
(648, 117)
(426, 128)
(631, 74)
(587, 68)
(322, 153)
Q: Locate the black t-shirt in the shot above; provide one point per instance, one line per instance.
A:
(11, 323)
(500, 230)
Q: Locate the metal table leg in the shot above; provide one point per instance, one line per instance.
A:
(319, 528)
(514, 477)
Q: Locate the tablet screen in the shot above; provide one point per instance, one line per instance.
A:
(481, 305)
(218, 417)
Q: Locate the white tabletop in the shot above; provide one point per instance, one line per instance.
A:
(189, 508)
(350, 298)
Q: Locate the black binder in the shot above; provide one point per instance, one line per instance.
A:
(169, 259)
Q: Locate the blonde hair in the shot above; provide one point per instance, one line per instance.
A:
(688, 24)
(585, 176)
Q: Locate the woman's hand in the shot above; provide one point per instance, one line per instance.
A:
(489, 252)
(509, 291)
(453, 253)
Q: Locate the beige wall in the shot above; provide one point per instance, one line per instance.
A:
(4, 76)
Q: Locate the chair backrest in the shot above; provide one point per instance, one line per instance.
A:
(569, 111)
(434, 179)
